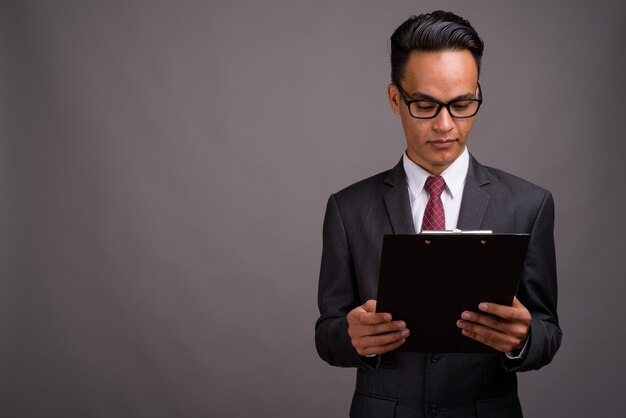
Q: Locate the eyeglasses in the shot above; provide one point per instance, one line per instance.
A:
(428, 109)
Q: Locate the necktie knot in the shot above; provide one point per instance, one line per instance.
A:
(435, 185)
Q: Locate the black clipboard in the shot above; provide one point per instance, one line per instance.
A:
(427, 280)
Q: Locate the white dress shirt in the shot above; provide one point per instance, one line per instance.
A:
(451, 197)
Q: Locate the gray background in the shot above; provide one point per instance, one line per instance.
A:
(164, 169)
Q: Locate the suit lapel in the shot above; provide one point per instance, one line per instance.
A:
(397, 201)
(475, 197)
(473, 206)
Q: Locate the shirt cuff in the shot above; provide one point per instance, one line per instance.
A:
(518, 354)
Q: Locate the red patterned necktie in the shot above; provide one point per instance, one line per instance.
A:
(434, 217)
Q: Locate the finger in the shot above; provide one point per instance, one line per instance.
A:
(359, 330)
(517, 312)
(368, 318)
(488, 336)
(361, 315)
(370, 305)
(381, 350)
(378, 341)
(383, 339)
(490, 321)
(514, 329)
(500, 345)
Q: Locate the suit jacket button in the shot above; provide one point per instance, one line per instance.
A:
(435, 357)
(433, 410)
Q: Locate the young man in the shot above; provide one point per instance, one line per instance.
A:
(435, 67)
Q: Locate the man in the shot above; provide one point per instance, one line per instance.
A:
(435, 60)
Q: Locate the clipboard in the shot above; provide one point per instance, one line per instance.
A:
(429, 279)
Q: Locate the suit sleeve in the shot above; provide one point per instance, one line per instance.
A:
(538, 293)
(337, 295)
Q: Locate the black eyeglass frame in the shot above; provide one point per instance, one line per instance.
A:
(441, 104)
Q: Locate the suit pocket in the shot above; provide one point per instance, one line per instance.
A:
(500, 407)
(367, 406)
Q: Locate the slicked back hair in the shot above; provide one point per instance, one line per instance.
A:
(436, 31)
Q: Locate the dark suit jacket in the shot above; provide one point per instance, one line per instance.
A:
(401, 384)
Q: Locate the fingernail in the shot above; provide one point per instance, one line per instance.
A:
(405, 333)
(459, 324)
(401, 324)
(387, 317)
(483, 307)
(466, 315)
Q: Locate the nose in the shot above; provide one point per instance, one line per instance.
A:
(443, 122)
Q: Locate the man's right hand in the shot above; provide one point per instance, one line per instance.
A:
(374, 333)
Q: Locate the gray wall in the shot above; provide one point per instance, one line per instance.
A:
(164, 168)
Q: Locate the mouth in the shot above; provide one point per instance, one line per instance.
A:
(442, 143)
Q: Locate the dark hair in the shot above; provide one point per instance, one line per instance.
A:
(436, 31)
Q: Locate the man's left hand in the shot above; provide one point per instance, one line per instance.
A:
(502, 327)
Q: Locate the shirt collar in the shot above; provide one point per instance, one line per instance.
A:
(454, 175)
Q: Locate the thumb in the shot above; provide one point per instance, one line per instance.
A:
(369, 306)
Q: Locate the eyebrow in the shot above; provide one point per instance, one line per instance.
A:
(419, 95)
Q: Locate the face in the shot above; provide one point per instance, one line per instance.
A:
(435, 143)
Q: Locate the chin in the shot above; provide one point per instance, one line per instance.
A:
(449, 156)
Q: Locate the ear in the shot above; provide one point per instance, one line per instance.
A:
(394, 98)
